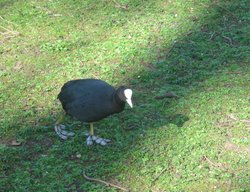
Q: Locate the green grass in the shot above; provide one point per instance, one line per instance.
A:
(196, 49)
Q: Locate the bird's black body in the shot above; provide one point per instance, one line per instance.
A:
(90, 100)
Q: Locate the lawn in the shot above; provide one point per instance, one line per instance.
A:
(198, 50)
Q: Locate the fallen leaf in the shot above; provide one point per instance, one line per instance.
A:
(15, 143)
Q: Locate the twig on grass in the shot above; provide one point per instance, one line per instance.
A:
(228, 39)
(49, 12)
(233, 72)
(228, 11)
(104, 182)
(217, 165)
(212, 35)
(231, 116)
(7, 32)
(118, 5)
(7, 21)
(167, 95)
(158, 176)
(229, 186)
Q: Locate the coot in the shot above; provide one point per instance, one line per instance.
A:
(90, 100)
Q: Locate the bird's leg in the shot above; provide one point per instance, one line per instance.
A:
(60, 129)
(91, 131)
(91, 134)
(92, 138)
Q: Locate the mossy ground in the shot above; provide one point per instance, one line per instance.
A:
(196, 49)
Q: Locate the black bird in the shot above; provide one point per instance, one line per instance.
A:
(90, 100)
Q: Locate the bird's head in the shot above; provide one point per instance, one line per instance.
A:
(125, 95)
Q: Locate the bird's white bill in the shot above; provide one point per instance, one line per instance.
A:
(129, 101)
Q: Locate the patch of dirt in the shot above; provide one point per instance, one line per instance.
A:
(18, 66)
(37, 51)
(235, 148)
(31, 144)
(46, 142)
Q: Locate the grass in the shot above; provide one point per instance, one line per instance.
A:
(196, 49)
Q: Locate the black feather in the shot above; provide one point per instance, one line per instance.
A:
(90, 100)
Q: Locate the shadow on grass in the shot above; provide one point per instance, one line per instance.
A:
(5, 3)
(199, 55)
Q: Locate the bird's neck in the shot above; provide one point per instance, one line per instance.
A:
(118, 102)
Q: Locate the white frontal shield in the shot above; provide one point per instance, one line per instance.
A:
(128, 94)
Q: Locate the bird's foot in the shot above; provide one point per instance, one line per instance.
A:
(61, 132)
(92, 138)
